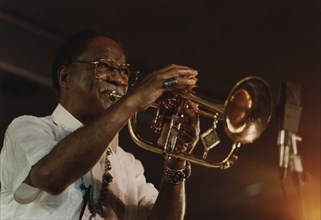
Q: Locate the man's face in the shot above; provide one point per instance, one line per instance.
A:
(91, 94)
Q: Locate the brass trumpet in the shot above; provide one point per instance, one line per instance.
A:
(245, 113)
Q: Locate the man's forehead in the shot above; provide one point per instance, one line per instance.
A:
(104, 47)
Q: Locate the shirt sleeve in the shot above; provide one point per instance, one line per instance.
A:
(27, 140)
(147, 193)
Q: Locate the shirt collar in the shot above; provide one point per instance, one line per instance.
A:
(63, 118)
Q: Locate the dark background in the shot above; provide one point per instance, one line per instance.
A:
(225, 41)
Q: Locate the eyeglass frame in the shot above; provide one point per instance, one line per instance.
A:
(111, 69)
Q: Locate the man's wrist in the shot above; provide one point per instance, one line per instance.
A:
(177, 176)
(175, 163)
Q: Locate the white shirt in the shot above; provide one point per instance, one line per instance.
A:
(29, 138)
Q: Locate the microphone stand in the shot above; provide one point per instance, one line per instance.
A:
(296, 169)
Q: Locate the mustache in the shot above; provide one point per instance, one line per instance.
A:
(115, 92)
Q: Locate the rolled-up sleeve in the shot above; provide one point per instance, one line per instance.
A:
(27, 140)
(146, 192)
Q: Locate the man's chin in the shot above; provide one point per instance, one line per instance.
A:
(105, 104)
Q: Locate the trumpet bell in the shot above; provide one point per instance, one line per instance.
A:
(247, 110)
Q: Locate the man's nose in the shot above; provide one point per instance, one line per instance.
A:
(116, 78)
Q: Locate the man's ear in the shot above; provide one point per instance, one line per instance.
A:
(63, 77)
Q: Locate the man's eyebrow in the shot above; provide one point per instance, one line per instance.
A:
(122, 61)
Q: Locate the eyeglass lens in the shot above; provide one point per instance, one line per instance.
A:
(103, 69)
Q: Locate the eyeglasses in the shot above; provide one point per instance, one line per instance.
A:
(104, 68)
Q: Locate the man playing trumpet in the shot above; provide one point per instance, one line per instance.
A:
(68, 165)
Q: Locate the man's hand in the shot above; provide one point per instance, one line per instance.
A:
(188, 133)
(152, 87)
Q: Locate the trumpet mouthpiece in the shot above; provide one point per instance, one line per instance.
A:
(114, 96)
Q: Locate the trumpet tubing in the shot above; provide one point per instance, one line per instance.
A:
(245, 113)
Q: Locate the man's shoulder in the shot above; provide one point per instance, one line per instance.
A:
(26, 121)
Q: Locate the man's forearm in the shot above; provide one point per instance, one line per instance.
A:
(170, 204)
(77, 153)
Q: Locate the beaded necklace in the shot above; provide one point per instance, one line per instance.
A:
(96, 207)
